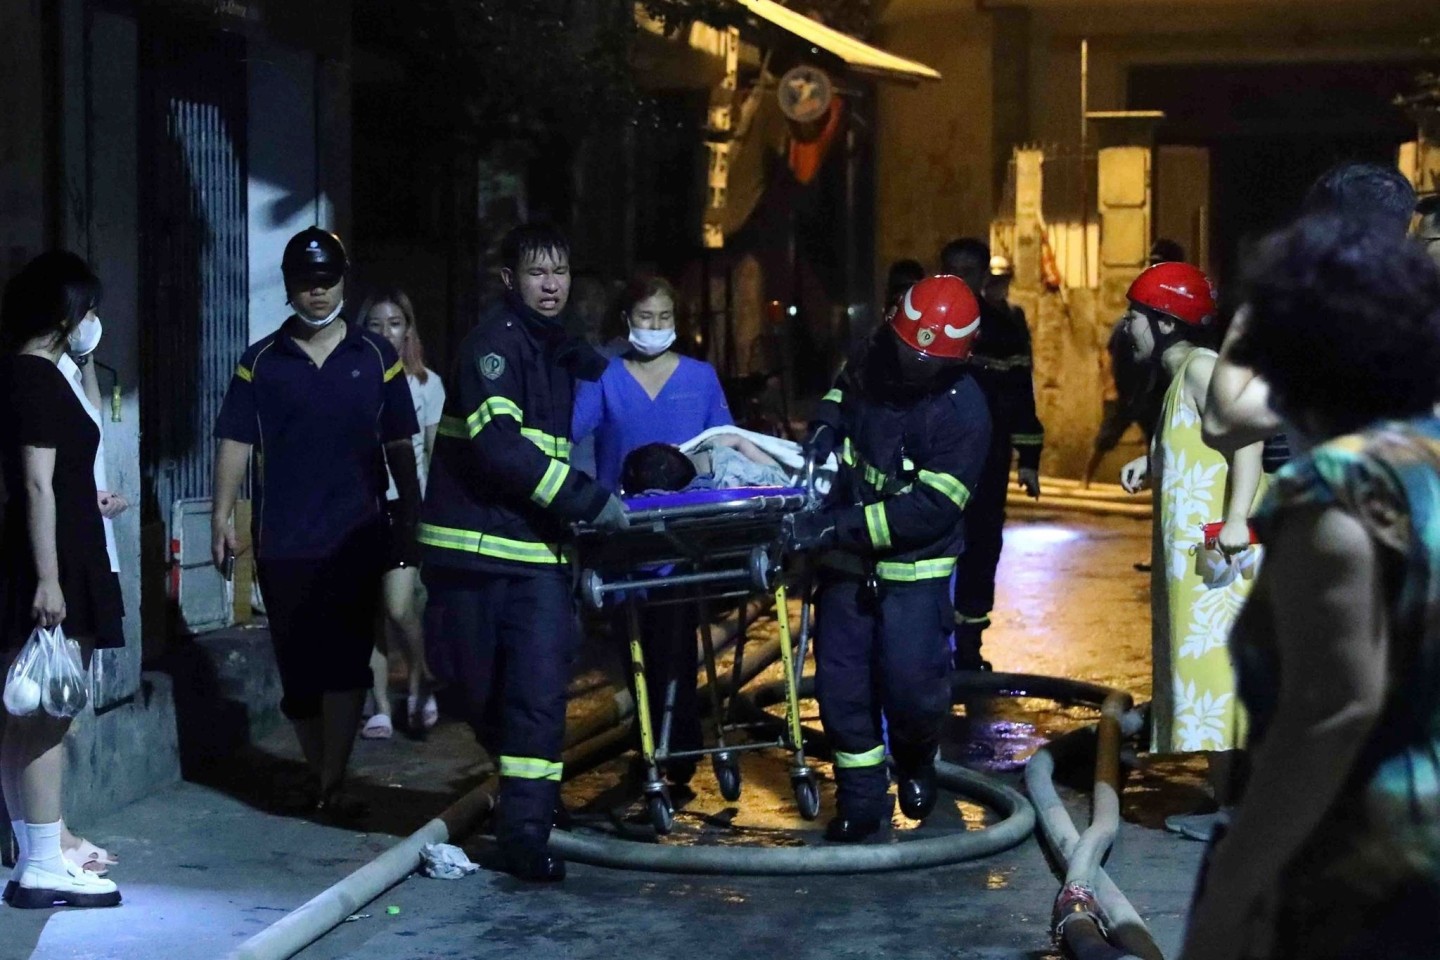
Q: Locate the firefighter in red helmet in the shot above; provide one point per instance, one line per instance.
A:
(912, 429)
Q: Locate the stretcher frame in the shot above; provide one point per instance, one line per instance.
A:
(698, 548)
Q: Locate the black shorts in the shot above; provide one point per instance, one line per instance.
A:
(322, 619)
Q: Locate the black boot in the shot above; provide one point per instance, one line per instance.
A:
(917, 792)
(532, 861)
(851, 829)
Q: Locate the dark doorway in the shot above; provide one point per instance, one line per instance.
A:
(1271, 129)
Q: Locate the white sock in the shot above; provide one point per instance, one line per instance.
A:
(22, 840)
(44, 852)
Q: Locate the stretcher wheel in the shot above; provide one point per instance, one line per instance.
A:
(760, 569)
(807, 795)
(727, 774)
(590, 584)
(662, 813)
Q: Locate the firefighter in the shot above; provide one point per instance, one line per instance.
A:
(1001, 365)
(501, 622)
(912, 431)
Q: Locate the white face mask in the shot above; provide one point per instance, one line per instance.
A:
(85, 337)
(651, 343)
(314, 324)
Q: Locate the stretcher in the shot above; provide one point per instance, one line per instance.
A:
(703, 548)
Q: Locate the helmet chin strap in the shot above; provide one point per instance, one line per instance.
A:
(314, 324)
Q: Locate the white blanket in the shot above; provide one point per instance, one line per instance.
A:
(787, 453)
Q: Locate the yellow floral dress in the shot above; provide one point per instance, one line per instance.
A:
(1194, 705)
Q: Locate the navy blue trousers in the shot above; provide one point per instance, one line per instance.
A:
(888, 655)
(508, 642)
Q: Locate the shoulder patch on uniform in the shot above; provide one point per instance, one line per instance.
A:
(492, 366)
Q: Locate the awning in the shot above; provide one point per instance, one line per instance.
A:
(858, 55)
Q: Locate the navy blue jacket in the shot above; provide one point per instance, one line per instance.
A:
(908, 467)
(501, 492)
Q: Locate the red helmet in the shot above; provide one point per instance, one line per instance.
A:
(938, 318)
(1177, 290)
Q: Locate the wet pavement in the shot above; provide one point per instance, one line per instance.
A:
(1071, 604)
(207, 864)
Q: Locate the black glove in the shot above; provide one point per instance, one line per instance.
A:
(612, 516)
(820, 443)
(812, 530)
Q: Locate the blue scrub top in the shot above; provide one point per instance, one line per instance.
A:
(621, 415)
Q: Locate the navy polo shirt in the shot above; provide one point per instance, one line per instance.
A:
(318, 434)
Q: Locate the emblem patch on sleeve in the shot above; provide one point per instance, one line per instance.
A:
(492, 366)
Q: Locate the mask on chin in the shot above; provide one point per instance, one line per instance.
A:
(652, 343)
(314, 324)
(85, 337)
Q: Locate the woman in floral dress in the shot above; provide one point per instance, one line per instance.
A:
(1195, 592)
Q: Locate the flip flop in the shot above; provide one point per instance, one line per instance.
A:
(377, 727)
(430, 712)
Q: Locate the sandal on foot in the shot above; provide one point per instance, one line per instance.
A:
(424, 714)
(41, 889)
(90, 858)
(377, 727)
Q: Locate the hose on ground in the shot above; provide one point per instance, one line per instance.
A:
(789, 861)
(1018, 822)
(1082, 855)
(1123, 924)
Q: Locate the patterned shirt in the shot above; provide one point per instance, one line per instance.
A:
(1385, 828)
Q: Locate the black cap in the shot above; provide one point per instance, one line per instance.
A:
(314, 255)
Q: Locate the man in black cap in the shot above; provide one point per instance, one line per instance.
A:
(323, 400)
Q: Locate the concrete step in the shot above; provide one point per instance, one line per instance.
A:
(227, 692)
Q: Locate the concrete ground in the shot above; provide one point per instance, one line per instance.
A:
(206, 865)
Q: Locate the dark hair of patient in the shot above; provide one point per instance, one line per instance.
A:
(655, 466)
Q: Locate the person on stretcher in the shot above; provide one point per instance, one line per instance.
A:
(724, 461)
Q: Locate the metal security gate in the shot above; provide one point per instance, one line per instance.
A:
(194, 276)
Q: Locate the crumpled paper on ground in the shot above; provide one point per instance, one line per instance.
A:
(444, 861)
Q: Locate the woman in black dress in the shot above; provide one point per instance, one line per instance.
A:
(54, 570)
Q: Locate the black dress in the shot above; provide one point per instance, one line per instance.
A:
(38, 408)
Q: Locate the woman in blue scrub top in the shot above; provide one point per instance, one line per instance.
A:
(651, 394)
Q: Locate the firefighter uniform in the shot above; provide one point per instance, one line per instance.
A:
(501, 623)
(1002, 367)
(908, 463)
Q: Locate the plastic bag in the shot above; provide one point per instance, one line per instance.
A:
(48, 674)
(445, 862)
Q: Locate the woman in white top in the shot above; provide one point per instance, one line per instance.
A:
(390, 314)
(78, 369)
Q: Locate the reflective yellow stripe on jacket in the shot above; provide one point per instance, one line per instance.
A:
(897, 572)
(470, 427)
(878, 526)
(550, 483)
(489, 545)
(947, 484)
